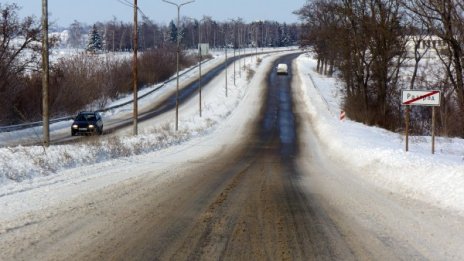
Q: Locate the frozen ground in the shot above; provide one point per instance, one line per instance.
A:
(33, 178)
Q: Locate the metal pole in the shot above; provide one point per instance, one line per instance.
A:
(407, 127)
(45, 75)
(433, 130)
(135, 71)
(256, 42)
(234, 66)
(178, 51)
(225, 65)
(239, 60)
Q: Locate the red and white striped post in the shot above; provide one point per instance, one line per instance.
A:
(342, 115)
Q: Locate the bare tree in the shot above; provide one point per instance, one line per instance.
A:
(445, 19)
(365, 38)
(15, 38)
(75, 35)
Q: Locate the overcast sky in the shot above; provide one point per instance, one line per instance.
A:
(64, 12)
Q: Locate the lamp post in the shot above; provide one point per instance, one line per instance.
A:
(178, 51)
(239, 55)
(224, 31)
(234, 45)
(256, 41)
(200, 57)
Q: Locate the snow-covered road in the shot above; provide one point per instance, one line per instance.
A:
(381, 209)
(377, 223)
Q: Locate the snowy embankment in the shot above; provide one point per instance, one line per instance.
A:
(198, 138)
(25, 168)
(379, 156)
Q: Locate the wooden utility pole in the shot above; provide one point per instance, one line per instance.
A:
(45, 75)
(199, 79)
(134, 70)
(225, 67)
(199, 63)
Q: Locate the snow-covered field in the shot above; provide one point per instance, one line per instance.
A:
(33, 178)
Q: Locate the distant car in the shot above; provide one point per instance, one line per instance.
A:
(87, 122)
(282, 68)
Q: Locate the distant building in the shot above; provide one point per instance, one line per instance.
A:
(429, 44)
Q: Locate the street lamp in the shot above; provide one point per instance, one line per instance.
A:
(235, 42)
(200, 57)
(225, 50)
(178, 51)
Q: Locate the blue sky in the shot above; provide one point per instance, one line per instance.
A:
(64, 12)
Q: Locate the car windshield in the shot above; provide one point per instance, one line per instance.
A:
(85, 117)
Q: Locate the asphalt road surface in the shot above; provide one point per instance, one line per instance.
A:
(273, 196)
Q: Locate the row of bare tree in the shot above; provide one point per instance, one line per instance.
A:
(117, 35)
(77, 82)
(377, 47)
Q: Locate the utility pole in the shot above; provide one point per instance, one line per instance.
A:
(134, 70)
(178, 53)
(45, 75)
(199, 79)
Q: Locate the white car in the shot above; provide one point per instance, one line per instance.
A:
(282, 69)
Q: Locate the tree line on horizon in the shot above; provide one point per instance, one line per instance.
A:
(117, 35)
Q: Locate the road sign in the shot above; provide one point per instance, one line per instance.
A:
(424, 98)
(203, 49)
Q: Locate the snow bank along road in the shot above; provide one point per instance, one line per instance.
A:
(271, 195)
(167, 102)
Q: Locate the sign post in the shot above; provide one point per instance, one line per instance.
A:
(421, 98)
(408, 112)
(433, 130)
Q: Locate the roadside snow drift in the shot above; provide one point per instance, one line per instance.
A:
(378, 155)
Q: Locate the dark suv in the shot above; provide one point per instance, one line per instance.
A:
(87, 122)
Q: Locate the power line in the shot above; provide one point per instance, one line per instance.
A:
(129, 4)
